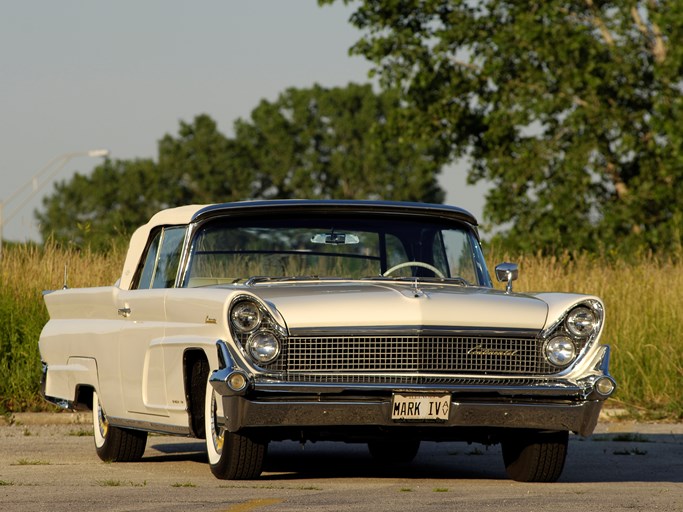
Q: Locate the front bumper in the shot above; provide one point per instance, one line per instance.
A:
(548, 404)
(243, 413)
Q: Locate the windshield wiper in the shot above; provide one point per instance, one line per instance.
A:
(448, 280)
(280, 279)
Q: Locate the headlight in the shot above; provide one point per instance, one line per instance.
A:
(263, 347)
(246, 316)
(582, 322)
(256, 332)
(560, 350)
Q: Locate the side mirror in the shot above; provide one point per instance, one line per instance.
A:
(507, 272)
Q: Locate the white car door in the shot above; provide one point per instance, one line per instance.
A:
(141, 357)
(141, 338)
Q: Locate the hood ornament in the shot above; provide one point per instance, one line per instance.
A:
(416, 290)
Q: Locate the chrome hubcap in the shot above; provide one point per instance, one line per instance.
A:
(217, 433)
(102, 422)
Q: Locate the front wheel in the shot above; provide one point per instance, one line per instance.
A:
(533, 456)
(115, 444)
(231, 456)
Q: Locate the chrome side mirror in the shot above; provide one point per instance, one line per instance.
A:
(507, 272)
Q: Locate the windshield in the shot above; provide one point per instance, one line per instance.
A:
(227, 250)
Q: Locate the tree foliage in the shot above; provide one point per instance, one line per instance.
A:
(319, 142)
(571, 110)
(102, 207)
(340, 143)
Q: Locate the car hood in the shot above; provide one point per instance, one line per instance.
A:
(405, 305)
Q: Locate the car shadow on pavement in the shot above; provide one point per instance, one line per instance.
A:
(602, 458)
(192, 451)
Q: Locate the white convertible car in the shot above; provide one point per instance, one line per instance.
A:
(356, 321)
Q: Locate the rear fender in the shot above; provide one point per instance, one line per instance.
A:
(63, 381)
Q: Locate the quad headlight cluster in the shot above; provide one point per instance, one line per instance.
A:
(254, 328)
(580, 326)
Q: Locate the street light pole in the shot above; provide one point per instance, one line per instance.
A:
(39, 181)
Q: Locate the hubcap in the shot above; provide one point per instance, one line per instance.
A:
(102, 422)
(217, 433)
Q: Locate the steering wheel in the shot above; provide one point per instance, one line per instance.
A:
(415, 264)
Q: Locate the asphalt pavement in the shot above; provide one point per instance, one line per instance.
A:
(48, 463)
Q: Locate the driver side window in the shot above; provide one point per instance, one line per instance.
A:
(162, 259)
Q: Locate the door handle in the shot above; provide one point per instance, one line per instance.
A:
(124, 312)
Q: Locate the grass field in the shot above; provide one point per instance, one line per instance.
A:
(644, 321)
(25, 272)
(644, 304)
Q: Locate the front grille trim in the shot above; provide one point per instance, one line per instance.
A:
(364, 358)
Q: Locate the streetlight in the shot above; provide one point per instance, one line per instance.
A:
(38, 181)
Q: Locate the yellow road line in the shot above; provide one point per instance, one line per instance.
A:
(253, 504)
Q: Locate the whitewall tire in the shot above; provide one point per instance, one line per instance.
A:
(115, 444)
(231, 456)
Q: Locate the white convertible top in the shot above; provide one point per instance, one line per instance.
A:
(169, 217)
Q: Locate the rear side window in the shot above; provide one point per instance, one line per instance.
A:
(162, 258)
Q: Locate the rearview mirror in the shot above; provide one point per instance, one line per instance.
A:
(335, 239)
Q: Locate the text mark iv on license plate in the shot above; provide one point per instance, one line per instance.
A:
(420, 407)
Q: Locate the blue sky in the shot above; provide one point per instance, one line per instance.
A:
(86, 74)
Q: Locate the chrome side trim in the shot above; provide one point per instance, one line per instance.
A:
(603, 365)
(149, 426)
(60, 402)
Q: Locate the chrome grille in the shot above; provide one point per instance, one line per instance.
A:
(405, 354)
(409, 380)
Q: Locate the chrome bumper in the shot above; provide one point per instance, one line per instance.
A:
(243, 413)
(548, 405)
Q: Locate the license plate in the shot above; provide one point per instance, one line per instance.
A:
(420, 407)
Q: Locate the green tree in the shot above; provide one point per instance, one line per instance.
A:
(197, 166)
(571, 110)
(310, 143)
(339, 143)
(101, 208)
(108, 205)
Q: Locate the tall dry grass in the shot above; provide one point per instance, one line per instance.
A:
(25, 272)
(643, 299)
(644, 320)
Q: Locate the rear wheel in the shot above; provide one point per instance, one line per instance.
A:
(400, 451)
(115, 444)
(231, 456)
(533, 456)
